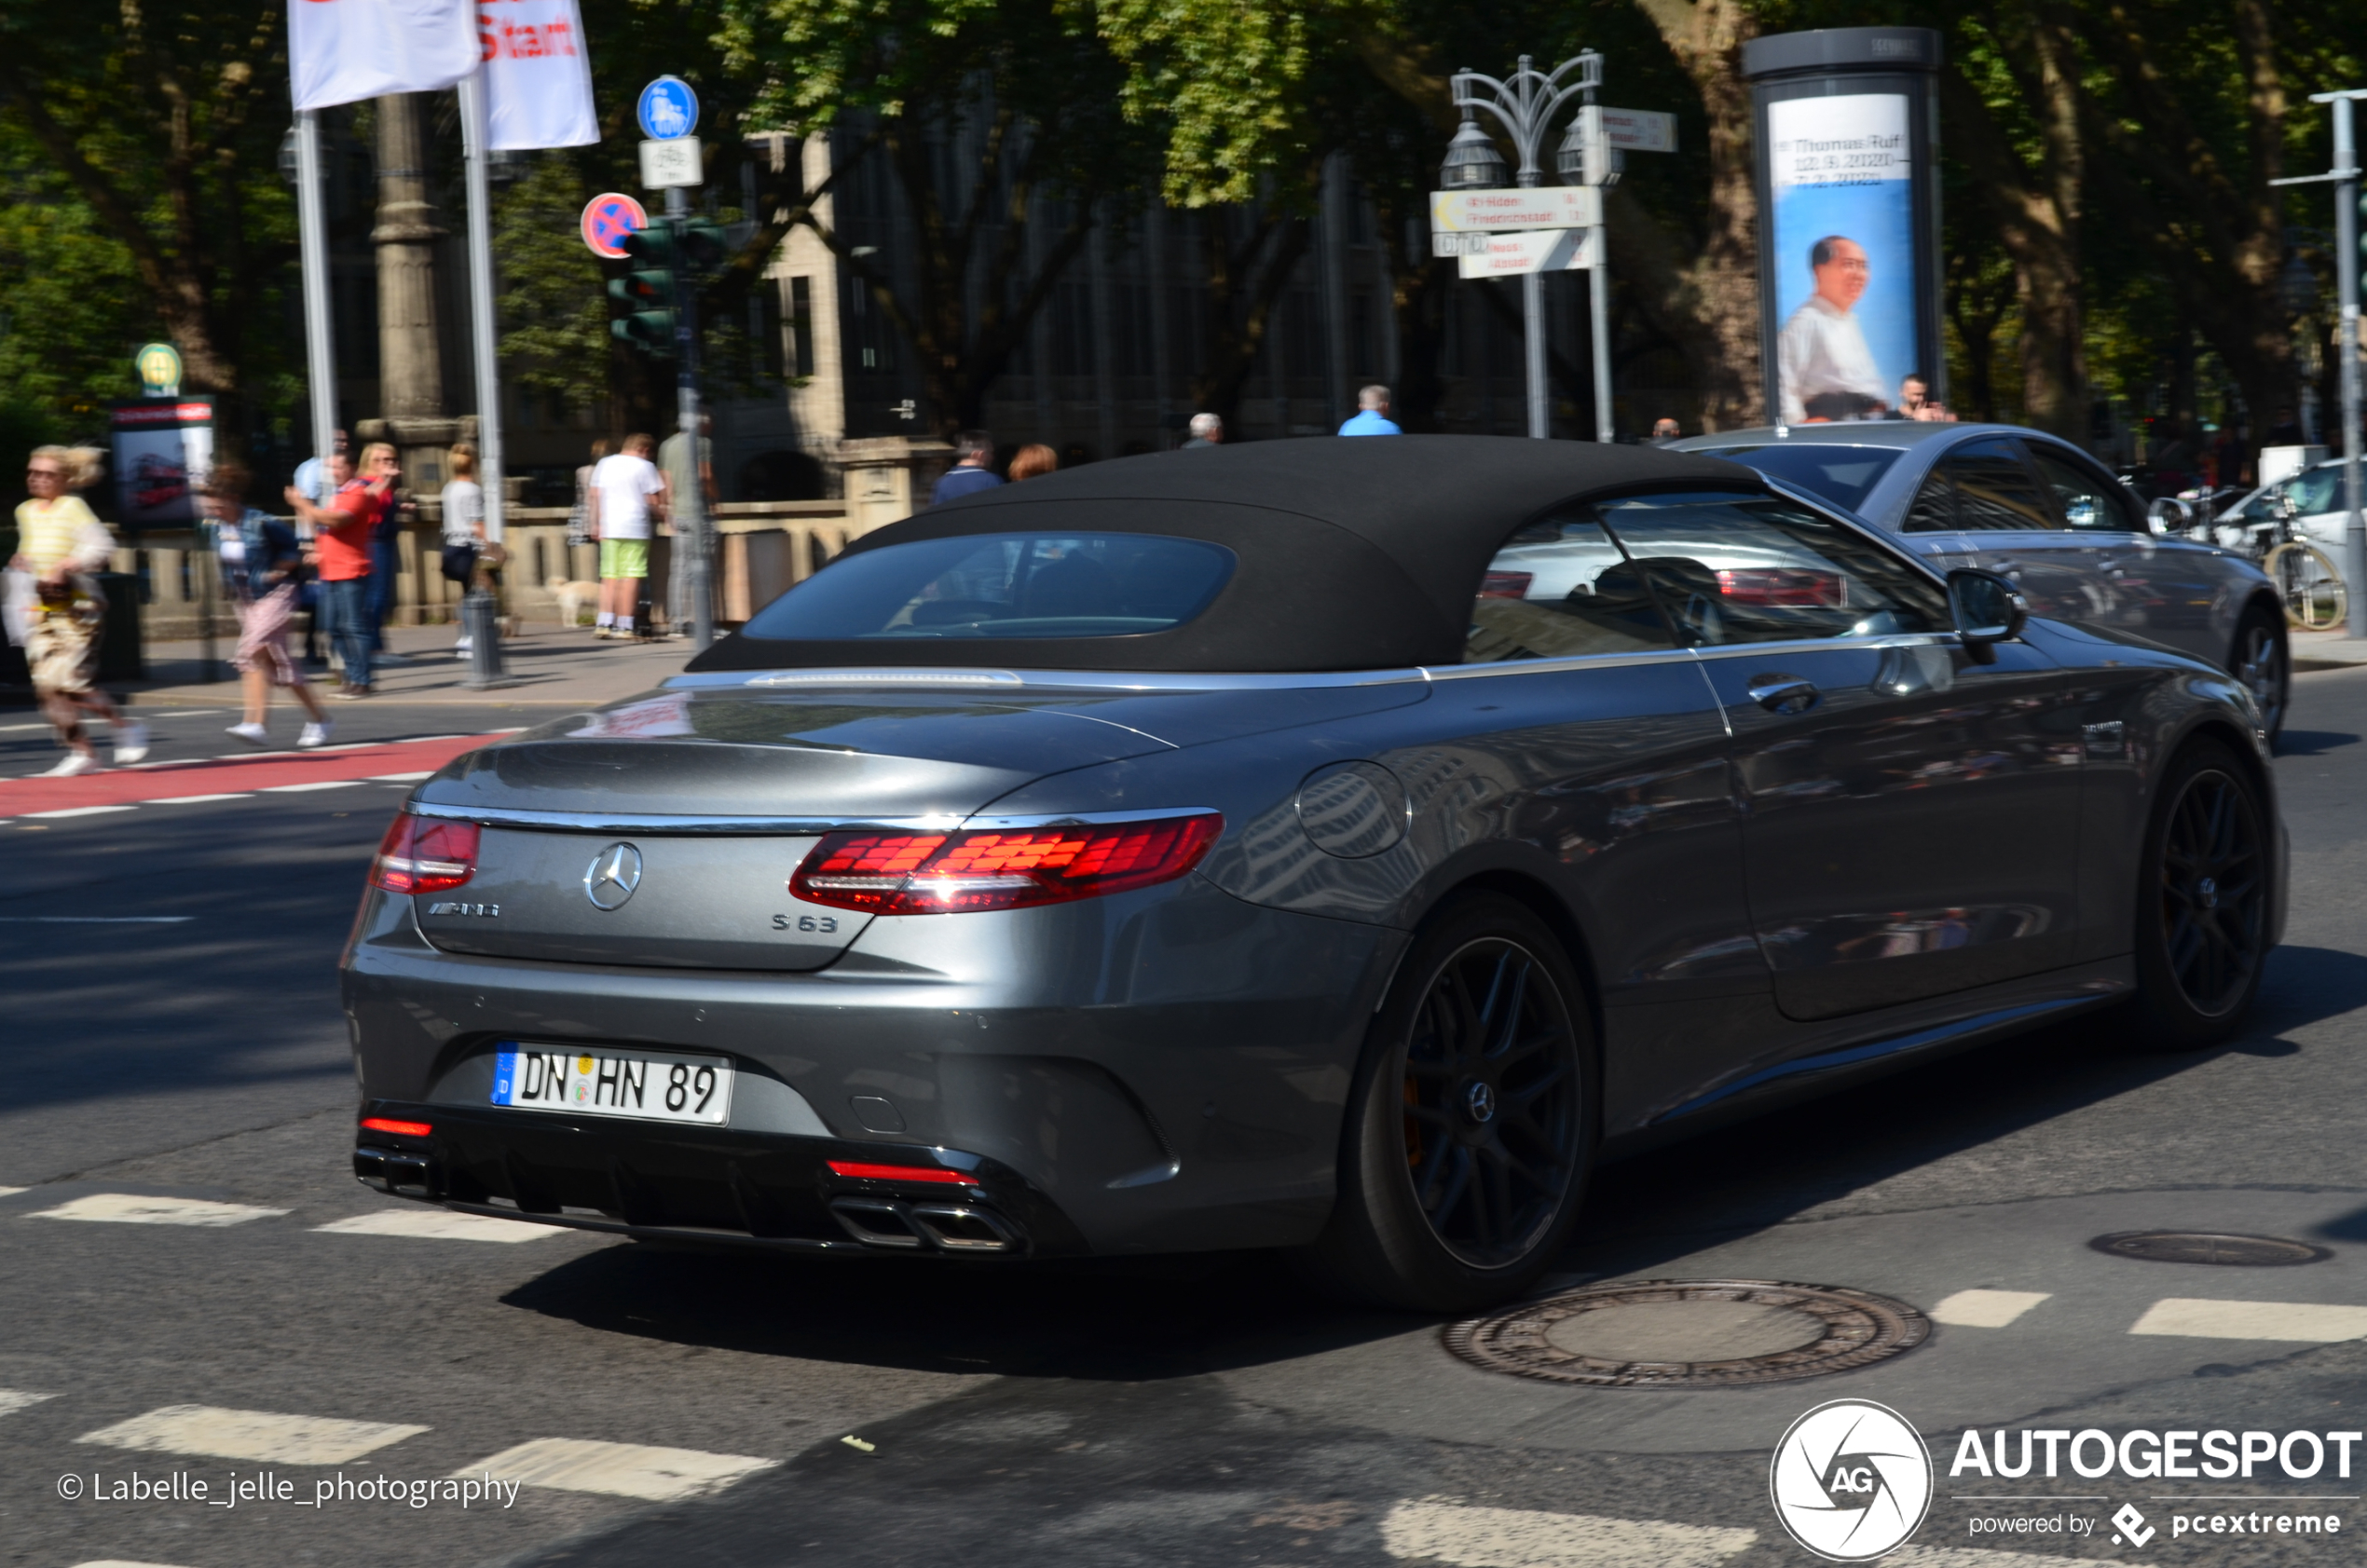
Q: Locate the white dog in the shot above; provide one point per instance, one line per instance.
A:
(574, 599)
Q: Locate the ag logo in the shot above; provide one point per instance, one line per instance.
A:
(1851, 1480)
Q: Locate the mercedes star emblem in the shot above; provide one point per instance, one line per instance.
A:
(614, 873)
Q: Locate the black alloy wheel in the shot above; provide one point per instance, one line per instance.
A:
(2264, 663)
(1471, 1124)
(2203, 916)
(1492, 1103)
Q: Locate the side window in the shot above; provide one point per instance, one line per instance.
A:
(1732, 568)
(1994, 488)
(1561, 588)
(1935, 508)
(2084, 498)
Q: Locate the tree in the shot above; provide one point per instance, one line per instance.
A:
(155, 115)
(990, 120)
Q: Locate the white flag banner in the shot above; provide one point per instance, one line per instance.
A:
(538, 74)
(341, 51)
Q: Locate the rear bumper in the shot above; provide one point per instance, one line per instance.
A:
(707, 1184)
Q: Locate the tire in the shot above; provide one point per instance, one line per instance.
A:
(2311, 588)
(2203, 903)
(2262, 661)
(1472, 1120)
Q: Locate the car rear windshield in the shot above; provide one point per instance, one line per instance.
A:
(1842, 475)
(1002, 585)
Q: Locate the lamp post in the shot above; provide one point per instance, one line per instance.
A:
(2345, 178)
(1525, 104)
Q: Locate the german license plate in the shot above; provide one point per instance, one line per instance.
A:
(653, 1086)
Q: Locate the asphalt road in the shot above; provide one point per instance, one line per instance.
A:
(1190, 1411)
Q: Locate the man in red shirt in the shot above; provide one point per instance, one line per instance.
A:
(341, 534)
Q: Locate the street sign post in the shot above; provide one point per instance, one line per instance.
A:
(160, 368)
(608, 219)
(1640, 130)
(668, 109)
(672, 164)
(1548, 207)
(1513, 255)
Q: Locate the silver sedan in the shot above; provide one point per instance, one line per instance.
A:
(2043, 513)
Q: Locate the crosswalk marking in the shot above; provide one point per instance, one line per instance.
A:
(1473, 1537)
(120, 1562)
(402, 778)
(79, 812)
(12, 1191)
(2252, 1320)
(654, 1474)
(1986, 1309)
(266, 1436)
(196, 799)
(302, 789)
(437, 1224)
(14, 1399)
(125, 1208)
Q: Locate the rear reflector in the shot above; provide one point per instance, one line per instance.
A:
(861, 1172)
(421, 854)
(407, 1130)
(1790, 587)
(943, 873)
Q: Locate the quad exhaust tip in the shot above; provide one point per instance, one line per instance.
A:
(945, 1227)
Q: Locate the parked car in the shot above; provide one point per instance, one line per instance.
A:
(2318, 514)
(1331, 846)
(2050, 519)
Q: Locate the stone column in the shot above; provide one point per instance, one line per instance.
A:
(410, 349)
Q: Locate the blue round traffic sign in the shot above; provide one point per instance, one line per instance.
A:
(608, 219)
(668, 109)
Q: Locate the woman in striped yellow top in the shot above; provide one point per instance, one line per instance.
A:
(60, 542)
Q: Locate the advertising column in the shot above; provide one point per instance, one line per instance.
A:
(1849, 266)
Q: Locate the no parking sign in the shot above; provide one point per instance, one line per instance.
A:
(608, 219)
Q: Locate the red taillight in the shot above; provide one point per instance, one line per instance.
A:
(407, 1130)
(941, 873)
(1506, 585)
(421, 854)
(1787, 587)
(901, 1173)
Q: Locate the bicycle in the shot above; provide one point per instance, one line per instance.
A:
(2311, 589)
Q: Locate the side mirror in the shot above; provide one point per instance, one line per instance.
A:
(2169, 516)
(1988, 610)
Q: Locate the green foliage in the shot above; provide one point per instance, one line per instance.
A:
(554, 316)
(72, 309)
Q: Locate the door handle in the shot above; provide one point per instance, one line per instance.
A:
(1782, 694)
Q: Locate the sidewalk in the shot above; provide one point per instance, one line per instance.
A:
(2325, 650)
(553, 667)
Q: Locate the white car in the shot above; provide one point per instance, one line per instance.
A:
(2318, 492)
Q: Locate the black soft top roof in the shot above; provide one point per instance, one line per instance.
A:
(1358, 554)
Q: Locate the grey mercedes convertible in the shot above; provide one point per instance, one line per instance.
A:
(1335, 846)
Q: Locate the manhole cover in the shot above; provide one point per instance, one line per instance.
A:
(1691, 1334)
(2209, 1247)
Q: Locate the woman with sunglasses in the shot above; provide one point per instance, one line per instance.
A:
(59, 543)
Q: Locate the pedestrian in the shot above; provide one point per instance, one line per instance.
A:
(627, 490)
(1208, 429)
(464, 525)
(1032, 461)
(1665, 431)
(386, 569)
(261, 561)
(1371, 417)
(673, 460)
(580, 515)
(59, 543)
(342, 532)
(319, 478)
(972, 470)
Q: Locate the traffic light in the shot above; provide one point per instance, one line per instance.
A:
(648, 290)
(703, 247)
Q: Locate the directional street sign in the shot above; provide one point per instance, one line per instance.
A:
(1536, 207)
(668, 109)
(1508, 256)
(674, 162)
(1640, 130)
(608, 218)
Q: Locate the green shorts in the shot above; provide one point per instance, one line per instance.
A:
(624, 558)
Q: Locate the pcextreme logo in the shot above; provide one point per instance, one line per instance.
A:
(1851, 1480)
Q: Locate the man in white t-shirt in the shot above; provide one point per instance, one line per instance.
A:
(627, 492)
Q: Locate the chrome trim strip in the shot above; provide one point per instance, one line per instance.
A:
(1567, 662)
(1078, 680)
(1812, 645)
(661, 826)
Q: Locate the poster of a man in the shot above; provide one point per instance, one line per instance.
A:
(1829, 372)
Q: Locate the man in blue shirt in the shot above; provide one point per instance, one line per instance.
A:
(1373, 418)
(974, 450)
